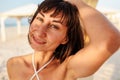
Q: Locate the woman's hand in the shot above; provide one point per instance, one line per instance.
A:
(78, 3)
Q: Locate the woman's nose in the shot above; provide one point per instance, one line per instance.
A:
(42, 31)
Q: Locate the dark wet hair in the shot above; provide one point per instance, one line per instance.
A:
(74, 33)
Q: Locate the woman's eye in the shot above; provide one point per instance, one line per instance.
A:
(54, 27)
(40, 19)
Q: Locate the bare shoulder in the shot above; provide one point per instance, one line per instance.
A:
(15, 61)
(16, 65)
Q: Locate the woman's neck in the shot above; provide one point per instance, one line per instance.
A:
(41, 58)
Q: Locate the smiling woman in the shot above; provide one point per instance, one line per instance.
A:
(58, 22)
(57, 38)
(44, 33)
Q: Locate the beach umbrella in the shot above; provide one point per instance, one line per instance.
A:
(18, 13)
(23, 11)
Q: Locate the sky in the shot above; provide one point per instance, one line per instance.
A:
(109, 4)
(11, 4)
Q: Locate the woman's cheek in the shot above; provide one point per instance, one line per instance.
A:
(32, 28)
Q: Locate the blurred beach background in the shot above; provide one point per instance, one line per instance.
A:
(15, 36)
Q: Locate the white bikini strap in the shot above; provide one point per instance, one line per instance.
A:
(36, 72)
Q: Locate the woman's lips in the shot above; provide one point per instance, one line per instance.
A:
(38, 41)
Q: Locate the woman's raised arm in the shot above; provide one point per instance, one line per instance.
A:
(104, 41)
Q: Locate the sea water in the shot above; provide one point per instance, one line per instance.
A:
(12, 22)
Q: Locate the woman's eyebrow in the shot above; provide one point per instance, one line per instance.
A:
(42, 14)
(57, 21)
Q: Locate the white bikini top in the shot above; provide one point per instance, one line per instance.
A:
(37, 71)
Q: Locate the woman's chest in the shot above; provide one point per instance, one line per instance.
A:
(49, 73)
(54, 73)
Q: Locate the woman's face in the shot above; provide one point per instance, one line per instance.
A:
(47, 32)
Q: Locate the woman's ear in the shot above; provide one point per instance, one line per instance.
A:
(65, 40)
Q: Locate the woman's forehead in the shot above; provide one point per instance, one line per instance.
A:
(52, 12)
(58, 15)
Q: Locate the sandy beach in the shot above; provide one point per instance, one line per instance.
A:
(16, 45)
